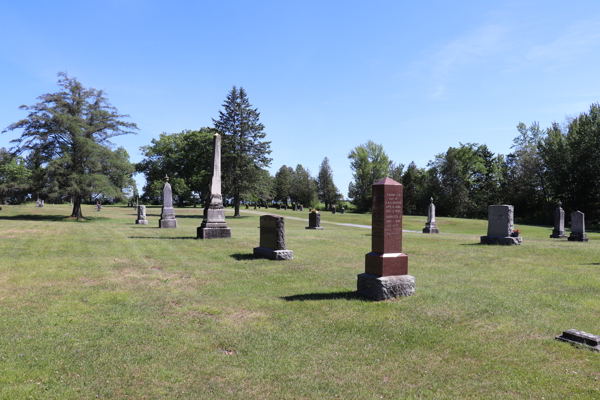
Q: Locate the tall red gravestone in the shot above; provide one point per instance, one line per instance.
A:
(386, 267)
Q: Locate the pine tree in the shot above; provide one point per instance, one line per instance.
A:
(69, 132)
(327, 191)
(243, 153)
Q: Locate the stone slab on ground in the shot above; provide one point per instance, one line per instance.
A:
(431, 230)
(502, 240)
(213, 233)
(385, 287)
(167, 223)
(277, 255)
(581, 338)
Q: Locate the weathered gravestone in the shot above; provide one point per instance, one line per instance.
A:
(213, 225)
(272, 238)
(559, 223)
(342, 210)
(580, 338)
(314, 220)
(141, 215)
(578, 227)
(386, 267)
(301, 207)
(501, 226)
(333, 209)
(167, 215)
(430, 225)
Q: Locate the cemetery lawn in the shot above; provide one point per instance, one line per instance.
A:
(107, 309)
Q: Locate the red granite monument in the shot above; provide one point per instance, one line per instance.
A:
(386, 267)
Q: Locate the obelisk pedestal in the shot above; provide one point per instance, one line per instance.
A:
(430, 225)
(386, 267)
(559, 223)
(167, 215)
(213, 225)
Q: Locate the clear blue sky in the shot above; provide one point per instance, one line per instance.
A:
(416, 77)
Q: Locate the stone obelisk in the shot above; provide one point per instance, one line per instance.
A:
(167, 215)
(213, 225)
(559, 223)
(430, 225)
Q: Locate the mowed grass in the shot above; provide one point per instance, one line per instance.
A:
(104, 308)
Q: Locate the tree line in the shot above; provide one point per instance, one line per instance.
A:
(65, 154)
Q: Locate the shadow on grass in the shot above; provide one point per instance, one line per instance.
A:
(591, 264)
(53, 218)
(324, 296)
(470, 244)
(244, 256)
(163, 237)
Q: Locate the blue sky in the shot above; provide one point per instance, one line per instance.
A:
(326, 76)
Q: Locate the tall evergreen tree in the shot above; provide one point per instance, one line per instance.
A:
(327, 192)
(243, 152)
(69, 132)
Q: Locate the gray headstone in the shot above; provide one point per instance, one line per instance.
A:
(430, 225)
(141, 217)
(501, 226)
(272, 238)
(342, 210)
(559, 223)
(213, 225)
(333, 209)
(578, 227)
(314, 220)
(167, 215)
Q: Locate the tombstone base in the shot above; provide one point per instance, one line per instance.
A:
(386, 264)
(431, 230)
(273, 254)
(167, 223)
(558, 235)
(213, 233)
(580, 338)
(141, 222)
(502, 240)
(320, 228)
(385, 287)
(578, 237)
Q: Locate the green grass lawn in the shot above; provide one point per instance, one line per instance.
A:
(107, 309)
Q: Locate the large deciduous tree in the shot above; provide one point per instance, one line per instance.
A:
(69, 132)
(15, 177)
(369, 164)
(243, 151)
(185, 157)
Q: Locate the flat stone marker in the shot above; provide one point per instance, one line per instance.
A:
(430, 225)
(578, 227)
(167, 215)
(314, 220)
(501, 226)
(559, 223)
(386, 267)
(213, 225)
(585, 339)
(141, 217)
(272, 238)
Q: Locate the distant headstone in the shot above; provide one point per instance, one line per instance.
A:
(430, 225)
(167, 215)
(578, 227)
(301, 207)
(333, 209)
(272, 238)
(314, 220)
(386, 267)
(213, 225)
(42, 203)
(501, 226)
(342, 210)
(141, 215)
(98, 206)
(559, 223)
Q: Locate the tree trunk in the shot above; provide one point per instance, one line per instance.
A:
(77, 209)
(236, 202)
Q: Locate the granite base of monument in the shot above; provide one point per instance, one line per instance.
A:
(578, 237)
(141, 222)
(431, 230)
(320, 228)
(277, 255)
(208, 232)
(167, 223)
(385, 287)
(558, 235)
(502, 240)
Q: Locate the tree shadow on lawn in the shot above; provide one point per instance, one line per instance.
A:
(471, 244)
(348, 295)
(196, 216)
(591, 264)
(163, 237)
(53, 218)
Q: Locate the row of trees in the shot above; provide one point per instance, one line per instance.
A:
(559, 163)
